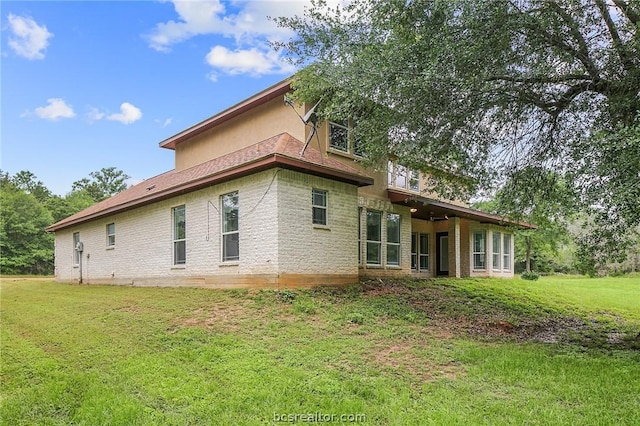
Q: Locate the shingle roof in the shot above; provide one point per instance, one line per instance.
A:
(282, 150)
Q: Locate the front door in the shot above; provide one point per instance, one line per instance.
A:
(442, 253)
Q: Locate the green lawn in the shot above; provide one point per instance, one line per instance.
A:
(403, 353)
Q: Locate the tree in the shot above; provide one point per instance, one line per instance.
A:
(543, 205)
(28, 182)
(102, 184)
(476, 92)
(73, 202)
(25, 246)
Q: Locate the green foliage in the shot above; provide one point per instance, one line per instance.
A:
(481, 94)
(530, 276)
(102, 184)
(287, 295)
(25, 247)
(28, 207)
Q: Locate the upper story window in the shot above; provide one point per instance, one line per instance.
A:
(402, 177)
(319, 207)
(179, 235)
(341, 138)
(111, 235)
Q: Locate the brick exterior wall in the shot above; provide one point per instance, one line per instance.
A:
(278, 243)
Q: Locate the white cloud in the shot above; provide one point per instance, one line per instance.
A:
(127, 115)
(246, 61)
(248, 26)
(28, 39)
(95, 114)
(56, 109)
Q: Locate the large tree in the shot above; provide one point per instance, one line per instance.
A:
(24, 245)
(102, 184)
(475, 92)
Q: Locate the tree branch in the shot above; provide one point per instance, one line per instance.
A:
(628, 11)
(540, 78)
(617, 42)
(583, 51)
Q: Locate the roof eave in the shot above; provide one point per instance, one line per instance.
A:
(258, 165)
(263, 97)
(398, 197)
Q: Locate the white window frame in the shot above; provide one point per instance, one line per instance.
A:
(410, 179)
(111, 235)
(371, 242)
(390, 219)
(76, 253)
(423, 251)
(176, 240)
(496, 254)
(319, 207)
(481, 252)
(226, 233)
(344, 126)
(360, 235)
(414, 251)
(506, 252)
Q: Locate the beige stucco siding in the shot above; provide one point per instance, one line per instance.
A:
(256, 125)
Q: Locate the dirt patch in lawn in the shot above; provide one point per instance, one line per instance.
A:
(400, 358)
(452, 312)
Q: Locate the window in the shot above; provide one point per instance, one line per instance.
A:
(424, 252)
(230, 229)
(402, 177)
(76, 253)
(479, 246)
(414, 180)
(359, 235)
(339, 136)
(414, 251)
(497, 241)
(319, 207)
(393, 239)
(111, 235)
(179, 235)
(506, 256)
(374, 236)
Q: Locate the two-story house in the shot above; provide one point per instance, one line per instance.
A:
(249, 205)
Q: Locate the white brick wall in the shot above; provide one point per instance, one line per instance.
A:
(313, 249)
(144, 237)
(276, 236)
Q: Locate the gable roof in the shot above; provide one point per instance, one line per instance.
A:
(278, 89)
(282, 150)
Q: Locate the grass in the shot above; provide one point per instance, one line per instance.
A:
(399, 353)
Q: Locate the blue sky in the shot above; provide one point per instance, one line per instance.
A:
(87, 85)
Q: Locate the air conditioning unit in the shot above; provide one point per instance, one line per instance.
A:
(80, 246)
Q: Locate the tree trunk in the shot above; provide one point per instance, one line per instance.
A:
(528, 258)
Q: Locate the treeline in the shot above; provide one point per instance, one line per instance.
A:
(28, 207)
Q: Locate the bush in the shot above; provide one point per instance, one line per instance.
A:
(531, 276)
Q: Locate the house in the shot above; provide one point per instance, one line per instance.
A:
(249, 205)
